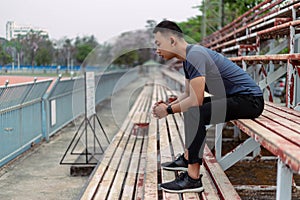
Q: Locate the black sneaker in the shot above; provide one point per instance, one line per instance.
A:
(180, 164)
(182, 184)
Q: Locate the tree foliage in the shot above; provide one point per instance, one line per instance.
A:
(232, 10)
(43, 57)
(235, 8)
(5, 58)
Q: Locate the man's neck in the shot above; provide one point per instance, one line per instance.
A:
(181, 55)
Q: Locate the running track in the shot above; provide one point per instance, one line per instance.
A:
(21, 79)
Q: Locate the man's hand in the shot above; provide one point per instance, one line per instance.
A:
(160, 111)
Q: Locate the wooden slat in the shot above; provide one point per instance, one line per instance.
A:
(140, 184)
(276, 125)
(284, 109)
(137, 161)
(108, 183)
(225, 188)
(287, 123)
(151, 183)
(210, 191)
(288, 152)
(131, 173)
(165, 152)
(95, 179)
(116, 187)
(282, 114)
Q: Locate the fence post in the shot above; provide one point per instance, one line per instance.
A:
(45, 116)
(46, 111)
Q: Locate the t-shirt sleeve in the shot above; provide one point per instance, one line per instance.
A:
(185, 71)
(197, 61)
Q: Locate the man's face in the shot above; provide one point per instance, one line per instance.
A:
(163, 46)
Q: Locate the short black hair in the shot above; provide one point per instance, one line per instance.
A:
(168, 26)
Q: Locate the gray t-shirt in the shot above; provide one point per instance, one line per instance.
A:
(222, 76)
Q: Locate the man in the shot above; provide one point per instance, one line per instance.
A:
(234, 96)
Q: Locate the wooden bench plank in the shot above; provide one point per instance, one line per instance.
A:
(114, 167)
(282, 114)
(284, 109)
(277, 128)
(130, 183)
(210, 191)
(219, 177)
(97, 177)
(140, 183)
(118, 167)
(283, 121)
(151, 182)
(288, 152)
(122, 170)
(165, 151)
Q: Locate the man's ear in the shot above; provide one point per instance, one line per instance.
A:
(172, 41)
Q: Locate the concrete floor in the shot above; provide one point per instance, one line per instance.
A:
(37, 174)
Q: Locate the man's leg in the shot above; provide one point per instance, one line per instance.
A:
(196, 118)
(216, 111)
(191, 120)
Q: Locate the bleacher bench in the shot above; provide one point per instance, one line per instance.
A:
(278, 131)
(131, 167)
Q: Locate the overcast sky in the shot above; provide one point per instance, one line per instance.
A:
(102, 18)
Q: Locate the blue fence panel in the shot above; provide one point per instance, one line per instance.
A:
(21, 114)
(27, 114)
(13, 95)
(59, 106)
(31, 123)
(9, 134)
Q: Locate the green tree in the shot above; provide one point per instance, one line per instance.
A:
(83, 51)
(235, 8)
(43, 57)
(84, 46)
(192, 29)
(127, 59)
(211, 8)
(5, 58)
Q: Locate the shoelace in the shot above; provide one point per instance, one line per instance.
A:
(179, 156)
(181, 176)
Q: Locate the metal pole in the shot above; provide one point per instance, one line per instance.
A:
(86, 117)
(203, 32)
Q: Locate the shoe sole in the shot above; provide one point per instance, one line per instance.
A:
(175, 168)
(201, 189)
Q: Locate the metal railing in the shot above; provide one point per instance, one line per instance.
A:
(34, 111)
(21, 113)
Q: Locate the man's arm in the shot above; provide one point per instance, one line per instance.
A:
(195, 96)
(195, 91)
(185, 94)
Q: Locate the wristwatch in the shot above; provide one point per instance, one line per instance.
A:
(169, 110)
